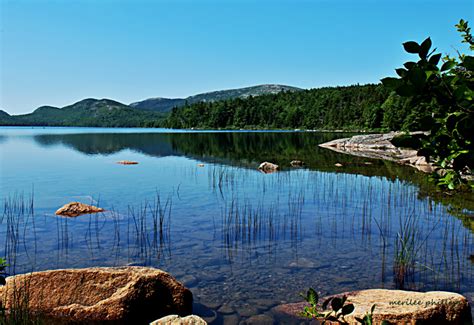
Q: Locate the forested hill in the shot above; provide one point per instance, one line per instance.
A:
(367, 107)
(110, 113)
(352, 107)
(165, 105)
(87, 112)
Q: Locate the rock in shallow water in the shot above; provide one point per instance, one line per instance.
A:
(209, 315)
(231, 319)
(297, 163)
(189, 280)
(176, 320)
(379, 146)
(125, 294)
(127, 162)
(248, 311)
(302, 263)
(267, 167)
(259, 320)
(399, 307)
(226, 310)
(74, 209)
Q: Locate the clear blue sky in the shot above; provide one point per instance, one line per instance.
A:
(57, 52)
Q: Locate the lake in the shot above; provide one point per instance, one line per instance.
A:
(243, 241)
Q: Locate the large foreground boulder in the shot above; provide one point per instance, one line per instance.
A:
(399, 307)
(135, 295)
(74, 209)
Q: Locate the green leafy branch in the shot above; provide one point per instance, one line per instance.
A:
(339, 308)
(465, 30)
(442, 90)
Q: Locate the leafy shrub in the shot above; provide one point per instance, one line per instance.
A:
(443, 92)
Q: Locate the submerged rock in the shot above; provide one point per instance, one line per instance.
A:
(132, 295)
(74, 209)
(207, 314)
(127, 162)
(226, 310)
(399, 307)
(176, 320)
(302, 263)
(189, 280)
(267, 167)
(259, 320)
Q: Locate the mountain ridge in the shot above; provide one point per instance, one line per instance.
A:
(164, 105)
(86, 112)
(354, 107)
(111, 113)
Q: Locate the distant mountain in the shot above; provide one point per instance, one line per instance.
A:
(5, 118)
(87, 112)
(159, 104)
(165, 105)
(109, 113)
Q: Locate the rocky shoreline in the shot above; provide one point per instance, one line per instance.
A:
(380, 146)
(145, 295)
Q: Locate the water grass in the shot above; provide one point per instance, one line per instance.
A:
(149, 229)
(247, 224)
(269, 220)
(18, 216)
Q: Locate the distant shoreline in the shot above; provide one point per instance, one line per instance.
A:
(189, 130)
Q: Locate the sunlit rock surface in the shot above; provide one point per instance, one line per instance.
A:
(74, 209)
(176, 320)
(268, 167)
(123, 294)
(399, 307)
(379, 146)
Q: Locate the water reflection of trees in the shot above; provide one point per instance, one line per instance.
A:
(248, 149)
(232, 148)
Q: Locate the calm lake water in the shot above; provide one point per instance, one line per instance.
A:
(241, 240)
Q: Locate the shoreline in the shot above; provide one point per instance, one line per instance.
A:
(379, 146)
(193, 129)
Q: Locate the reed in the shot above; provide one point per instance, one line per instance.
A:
(17, 310)
(18, 213)
(246, 224)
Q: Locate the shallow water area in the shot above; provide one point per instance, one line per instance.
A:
(243, 241)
